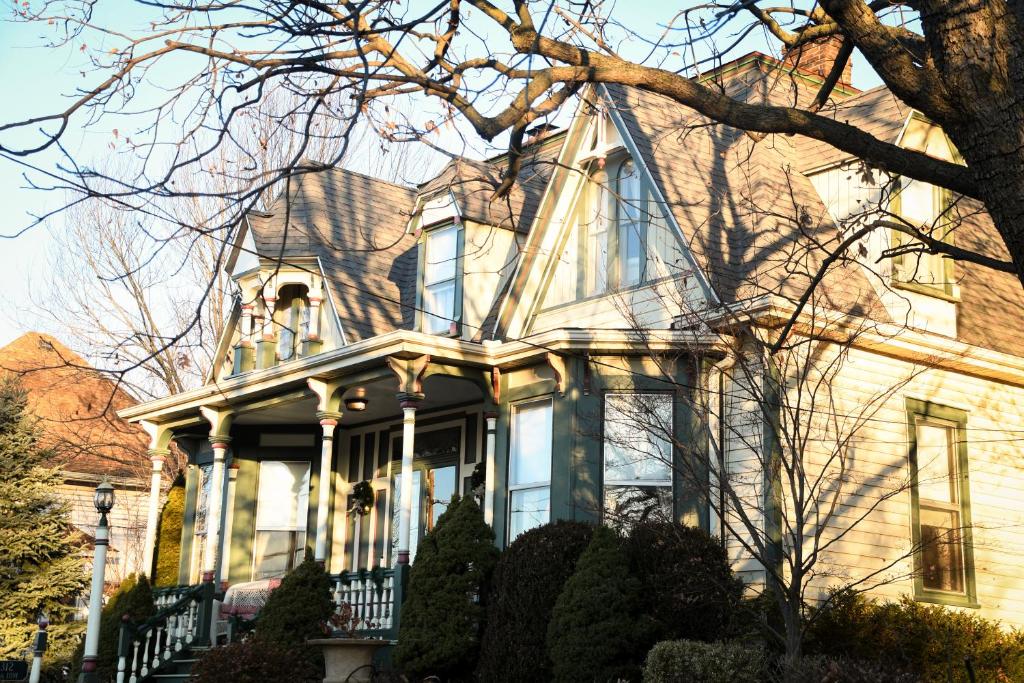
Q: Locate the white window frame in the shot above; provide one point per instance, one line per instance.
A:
(303, 518)
(513, 451)
(434, 321)
(667, 483)
(631, 229)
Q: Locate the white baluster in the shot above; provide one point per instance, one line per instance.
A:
(155, 661)
(136, 660)
(172, 626)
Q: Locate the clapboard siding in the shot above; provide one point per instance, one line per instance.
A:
(879, 465)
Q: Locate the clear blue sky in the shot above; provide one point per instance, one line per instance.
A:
(35, 81)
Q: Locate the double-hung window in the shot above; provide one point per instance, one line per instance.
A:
(282, 504)
(632, 224)
(294, 316)
(529, 467)
(440, 271)
(595, 222)
(940, 498)
(925, 207)
(637, 457)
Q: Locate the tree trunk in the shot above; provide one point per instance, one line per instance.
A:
(979, 49)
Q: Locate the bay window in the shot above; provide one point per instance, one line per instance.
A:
(282, 505)
(637, 457)
(440, 273)
(940, 498)
(529, 468)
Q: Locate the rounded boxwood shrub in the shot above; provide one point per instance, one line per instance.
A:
(526, 584)
(930, 641)
(442, 614)
(593, 634)
(687, 587)
(297, 609)
(683, 661)
(255, 661)
(168, 540)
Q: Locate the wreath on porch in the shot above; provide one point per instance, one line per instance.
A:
(362, 498)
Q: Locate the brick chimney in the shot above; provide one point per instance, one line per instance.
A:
(818, 57)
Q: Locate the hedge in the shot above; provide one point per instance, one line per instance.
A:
(168, 540)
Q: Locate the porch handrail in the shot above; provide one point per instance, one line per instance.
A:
(183, 621)
(375, 596)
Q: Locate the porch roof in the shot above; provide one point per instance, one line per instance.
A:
(366, 356)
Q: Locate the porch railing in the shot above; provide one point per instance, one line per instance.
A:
(183, 619)
(375, 596)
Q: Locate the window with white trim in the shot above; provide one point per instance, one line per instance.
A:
(637, 457)
(924, 207)
(440, 261)
(529, 467)
(632, 213)
(293, 317)
(282, 504)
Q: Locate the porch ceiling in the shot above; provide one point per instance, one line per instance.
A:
(440, 391)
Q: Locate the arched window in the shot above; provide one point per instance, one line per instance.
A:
(631, 214)
(291, 318)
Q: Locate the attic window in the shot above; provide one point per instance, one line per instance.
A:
(926, 207)
(440, 271)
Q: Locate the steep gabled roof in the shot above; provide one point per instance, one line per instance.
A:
(750, 220)
(355, 225)
(473, 183)
(76, 407)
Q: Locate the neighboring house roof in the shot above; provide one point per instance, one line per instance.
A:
(76, 406)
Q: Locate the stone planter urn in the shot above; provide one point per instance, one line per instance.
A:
(348, 660)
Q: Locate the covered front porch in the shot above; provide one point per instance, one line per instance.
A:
(353, 456)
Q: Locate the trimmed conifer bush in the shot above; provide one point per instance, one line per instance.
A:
(930, 641)
(168, 540)
(297, 609)
(442, 615)
(593, 634)
(687, 587)
(527, 582)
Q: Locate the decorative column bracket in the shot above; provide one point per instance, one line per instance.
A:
(557, 364)
(410, 373)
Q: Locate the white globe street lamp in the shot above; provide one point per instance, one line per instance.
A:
(104, 501)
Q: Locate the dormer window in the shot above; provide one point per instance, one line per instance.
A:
(440, 280)
(925, 207)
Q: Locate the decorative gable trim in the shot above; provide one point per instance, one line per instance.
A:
(521, 302)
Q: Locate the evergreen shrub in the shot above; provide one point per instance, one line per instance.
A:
(443, 611)
(928, 640)
(297, 609)
(256, 661)
(821, 669)
(594, 634)
(168, 540)
(687, 587)
(527, 581)
(685, 661)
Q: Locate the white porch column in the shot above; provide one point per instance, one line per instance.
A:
(157, 457)
(159, 442)
(211, 556)
(328, 422)
(409, 403)
(489, 466)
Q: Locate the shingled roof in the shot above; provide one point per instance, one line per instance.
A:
(77, 409)
(355, 225)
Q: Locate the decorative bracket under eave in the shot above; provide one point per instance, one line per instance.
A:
(220, 421)
(557, 363)
(328, 394)
(409, 372)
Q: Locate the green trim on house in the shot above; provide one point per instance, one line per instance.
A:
(188, 525)
(926, 409)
